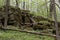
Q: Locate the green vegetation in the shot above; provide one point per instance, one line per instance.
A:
(15, 35)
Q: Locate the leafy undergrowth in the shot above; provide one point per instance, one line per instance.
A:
(15, 35)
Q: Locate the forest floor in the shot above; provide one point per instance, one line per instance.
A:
(16, 35)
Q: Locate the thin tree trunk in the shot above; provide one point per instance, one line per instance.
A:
(17, 4)
(59, 1)
(59, 5)
(51, 8)
(24, 5)
(56, 23)
(0, 23)
(7, 11)
(46, 8)
(30, 3)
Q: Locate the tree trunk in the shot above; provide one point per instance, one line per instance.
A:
(46, 8)
(17, 5)
(24, 5)
(55, 18)
(7, 11)
(51, 8)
